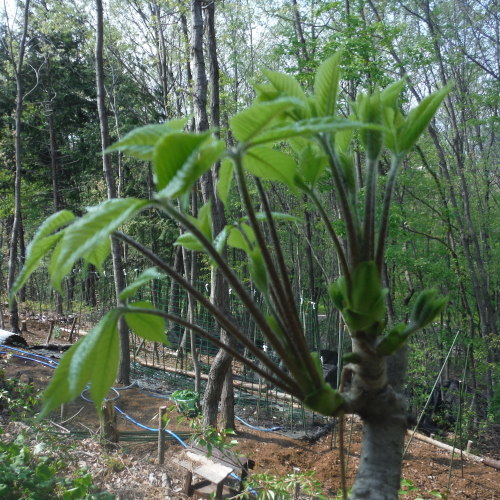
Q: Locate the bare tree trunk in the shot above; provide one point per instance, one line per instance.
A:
(384, 426)
(54, 171)
(303, 55)
(124, 369)
(220, 377)
(16, 226)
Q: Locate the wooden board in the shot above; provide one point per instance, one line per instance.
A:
(215, 473)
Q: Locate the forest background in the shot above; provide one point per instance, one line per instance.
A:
(443, 220)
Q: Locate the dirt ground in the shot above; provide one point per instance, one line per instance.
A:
(132, 471)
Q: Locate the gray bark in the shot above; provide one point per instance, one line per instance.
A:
(119, 279)
(220, 375)
(16, 226)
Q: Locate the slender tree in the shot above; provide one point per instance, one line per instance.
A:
(17, 223)
(119, 281)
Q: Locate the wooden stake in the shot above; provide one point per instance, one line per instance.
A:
(161, 434)
(109, 429)
(70, 336)
(49, 336)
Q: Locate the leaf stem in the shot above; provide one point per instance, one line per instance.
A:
(293, 329)
(347, 211)
(368, 248)
(290, 306)
(282, 382)
(384, 221)
(333, 235)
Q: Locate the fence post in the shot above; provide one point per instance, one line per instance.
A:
(109, 429)
(161, 434)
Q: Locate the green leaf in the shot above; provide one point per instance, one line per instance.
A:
(224, 181)
(86, 234)
(419, 118)
(393, 341)
(257, 117)
(286, 85)
(204, 220)
(141, 141)
(99, 253)
(258, 270)
(369, 110)
(93, 359)
(312, 164)
(220, 239)
(348, 171)
(195, 165)
(310, 126)
(242, 237)
(277, 216)
(189, 241)
(326, 85)
(148, 326)
(204, 223)
(338, 293)
(426, 308)
(42, 242)
(105, 361)
(390, 94)
(367, 300)
(343, 140)
(324, 400)
(172, 152)
(270, 164)
(145, 277)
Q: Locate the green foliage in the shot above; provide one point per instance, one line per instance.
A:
(282, 113)
(408, 488)
(88, 236)
(326, 85)
(144, 278)
(141, 141)
(33, 472)
(270, 487)
(147, 326)
(251, 121)
(187, 401)
(93, 359)
(212, 439)
(25, 475)
(18, 400)
(42, 242)
(363, 307)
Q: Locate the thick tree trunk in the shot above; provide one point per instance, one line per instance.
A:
(219, 385)
(124, 369)
(377, 391)
(16, 226)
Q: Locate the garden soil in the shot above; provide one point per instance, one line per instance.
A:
(131, 471)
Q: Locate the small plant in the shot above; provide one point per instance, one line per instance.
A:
(212, 438)
(57, 332)
(187, 401)
(115, 463)
(32, 475)
(407, 488)
(270, 487)
(18, 399)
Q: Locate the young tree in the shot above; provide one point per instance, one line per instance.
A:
(124, 372)
(320, 147)
(17, 223)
